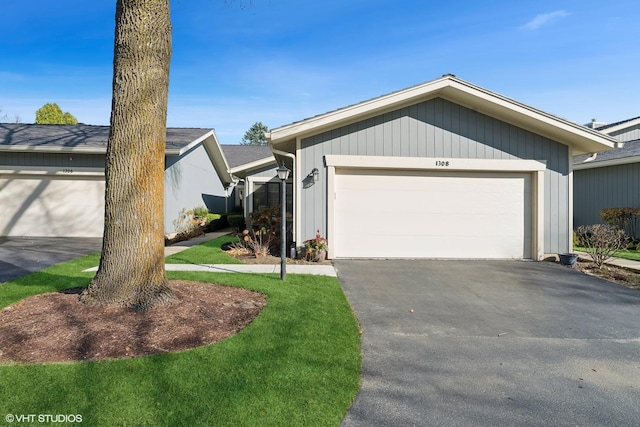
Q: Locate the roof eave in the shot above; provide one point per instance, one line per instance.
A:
(28, 148)
(606, 163)
(216, 155)
(582, 139)
(242, 170)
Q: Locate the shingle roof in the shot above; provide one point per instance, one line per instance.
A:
(237, 155)
(610, 125)
(80, 136)
(629, 149)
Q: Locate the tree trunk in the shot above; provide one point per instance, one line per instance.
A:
(131, 271)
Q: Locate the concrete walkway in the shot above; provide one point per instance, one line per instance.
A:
(619, 262)
(317, 270)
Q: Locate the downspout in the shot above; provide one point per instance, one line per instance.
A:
(295, 181)
(228, 191)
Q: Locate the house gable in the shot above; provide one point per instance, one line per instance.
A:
(440, 129)
(449, 87)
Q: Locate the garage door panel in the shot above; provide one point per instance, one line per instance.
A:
(436, 215)
(52, 207)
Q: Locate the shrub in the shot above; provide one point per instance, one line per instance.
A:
(236, 221)
(601, 241)
(186, 226)
(200, 212)
(624, 218)
(216, 222)
(267, 219)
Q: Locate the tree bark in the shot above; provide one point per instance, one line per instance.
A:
(131, 271)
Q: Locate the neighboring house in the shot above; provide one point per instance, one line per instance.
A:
(445, 169)
(255, 168)
(612, 178)
(52, 177)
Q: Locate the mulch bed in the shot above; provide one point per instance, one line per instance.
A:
(56, 327)
(611, 273)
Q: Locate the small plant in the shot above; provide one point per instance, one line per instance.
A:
(316, 248)
(186, 226)
(236, 221)
(257, 241)
(601, 241)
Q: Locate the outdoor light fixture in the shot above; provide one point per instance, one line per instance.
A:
(283, 174)
(316, 174)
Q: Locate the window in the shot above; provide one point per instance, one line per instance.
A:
(268, 194)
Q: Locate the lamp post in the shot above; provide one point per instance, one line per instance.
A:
(283, 174)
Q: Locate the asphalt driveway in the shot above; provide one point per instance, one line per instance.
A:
(23, 255)
(491, 344)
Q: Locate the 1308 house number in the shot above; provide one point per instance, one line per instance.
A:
(442, 163)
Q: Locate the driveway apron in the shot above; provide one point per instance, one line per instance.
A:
(491, 343)
(20, 256)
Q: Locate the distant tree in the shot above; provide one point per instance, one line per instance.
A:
(4, 118)
(255, 135)
(51, 114)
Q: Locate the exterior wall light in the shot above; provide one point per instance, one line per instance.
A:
(316, 174)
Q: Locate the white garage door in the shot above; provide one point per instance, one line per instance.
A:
(406, 214)
(51, 207)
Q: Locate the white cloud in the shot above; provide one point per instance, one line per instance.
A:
(544, 19)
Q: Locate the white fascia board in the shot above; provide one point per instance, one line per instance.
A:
(621, 126)
(247, 167)
(30, 148)
(358, 111)
(605, 163)
(425, 163)
(179, 152)
(583, 139)
(216, 155)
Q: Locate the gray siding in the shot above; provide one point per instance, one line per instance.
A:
(48, 159)
(439, 128)
(607, 187)
(629, 134)
(191, 181)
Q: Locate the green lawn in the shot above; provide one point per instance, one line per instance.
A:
(297, 363)
(632, 255)
(206, 253)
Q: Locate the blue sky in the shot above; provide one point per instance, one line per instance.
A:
(280, 61)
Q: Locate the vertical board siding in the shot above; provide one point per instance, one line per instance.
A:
(439, 128)
(190, 181)
(607, 187)
(53, 160)
(629, 134)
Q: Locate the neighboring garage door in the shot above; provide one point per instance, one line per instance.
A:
(426, 214)
(58, 206)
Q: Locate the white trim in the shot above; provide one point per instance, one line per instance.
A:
(536, 168)
(570, 160)
(297, 194)
(56, 171)
(39, 148)
(621, 126)
(428, 163)
(465, 94)
(252, 165)
(605, 163)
